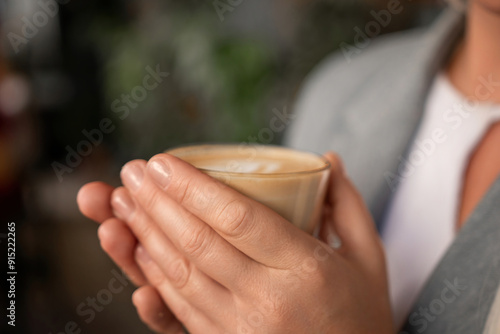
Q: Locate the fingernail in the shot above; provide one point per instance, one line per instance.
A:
(123, 205)
(333, 240)
(142, 255)
(160, 172)
(132, 176)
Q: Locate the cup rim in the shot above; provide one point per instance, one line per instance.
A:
(327, 164)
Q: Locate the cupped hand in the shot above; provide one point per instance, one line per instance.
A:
(118, 241)
(116, 238)
(224, 263)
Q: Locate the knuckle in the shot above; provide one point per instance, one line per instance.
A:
(277, 310)
(195, 243)
(184, 189)
(179, 273)
(312, 271)
(151, 199)
(156, 278)
(205, 195)
(141, 226)
(233, 218)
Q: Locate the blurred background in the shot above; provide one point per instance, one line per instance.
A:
(86, 86)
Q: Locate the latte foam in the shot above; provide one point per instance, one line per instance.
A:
(249, 159)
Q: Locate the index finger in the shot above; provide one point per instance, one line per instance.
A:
(251, 227)
(94, 201)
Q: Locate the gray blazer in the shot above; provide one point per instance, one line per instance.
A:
(368, 111)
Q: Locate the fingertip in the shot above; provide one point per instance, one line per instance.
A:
(93, 200)
(139, 296)
(119, 243)
(137, 163)
(140, 162)
(161, 156)
(104, 233)
(169, 162)
(330, 155)
(116, 239)
(162, 163)
(101, 234)
(83, 196)
(336, 162)
(117, 193)
(153, 311)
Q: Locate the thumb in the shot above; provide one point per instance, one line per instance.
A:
(348, 219)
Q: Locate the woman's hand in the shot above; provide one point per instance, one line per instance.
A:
(226, 264)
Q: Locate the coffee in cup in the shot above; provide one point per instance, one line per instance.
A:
(292, 183)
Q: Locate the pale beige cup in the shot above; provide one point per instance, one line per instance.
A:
(292, 183)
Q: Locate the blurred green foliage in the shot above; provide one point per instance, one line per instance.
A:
(224, 80)
(216, 88)
(225, 76)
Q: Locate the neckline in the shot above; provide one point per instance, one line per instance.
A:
(491, 109)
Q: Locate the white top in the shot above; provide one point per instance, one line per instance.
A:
(421, 220)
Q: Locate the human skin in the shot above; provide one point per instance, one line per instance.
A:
(479, 57)
(491, 6)
(225, 264)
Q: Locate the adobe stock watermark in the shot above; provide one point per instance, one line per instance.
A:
(372, 29)
(223, 6)
(47, 10)
(451, 292)
(453, 118)
(122, 107)
(301, 274)
(89, 308)
(247, 151)
(249, 148)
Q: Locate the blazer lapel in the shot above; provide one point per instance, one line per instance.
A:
(371, 120)
(368, 110)
(458, 296)
(387, 118)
